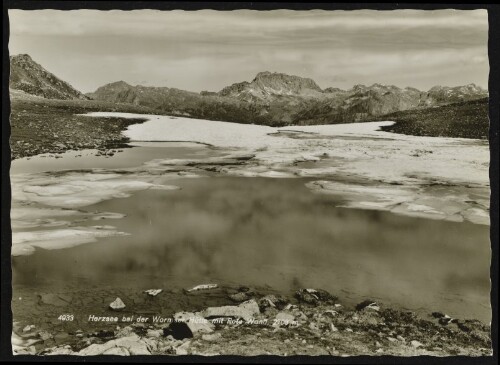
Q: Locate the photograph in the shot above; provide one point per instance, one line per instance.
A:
(246, 182)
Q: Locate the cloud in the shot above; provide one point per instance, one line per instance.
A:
(207, 50)
(155, 23)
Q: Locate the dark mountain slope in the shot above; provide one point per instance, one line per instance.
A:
(30, 77)
(468, 119)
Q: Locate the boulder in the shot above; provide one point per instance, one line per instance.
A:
(178, 330)
(246, 311)
(196, 323)
(251, 306)
(117, 304)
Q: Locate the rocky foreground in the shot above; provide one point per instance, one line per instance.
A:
(313, 322)
(41, 125)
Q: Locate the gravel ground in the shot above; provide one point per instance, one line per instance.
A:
(53, 126)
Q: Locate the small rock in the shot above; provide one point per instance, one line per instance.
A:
(368, 304)
(153, 292)
(124, 332)
(272, 301)
(401, 338)
(154, 333)
(44, 335)
(183, 349)
(446, 320)
(290, 307)
(416, 344)
(211, 337)
(28, 328)
(101, 334)
(313, 326)
(239, 297)
(331, 313)
(202, 287)
(117, 304)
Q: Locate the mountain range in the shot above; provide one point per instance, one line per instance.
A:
(275, 99)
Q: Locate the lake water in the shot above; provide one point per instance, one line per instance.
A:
(260, 232)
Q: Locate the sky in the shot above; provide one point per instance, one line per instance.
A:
(208, 50)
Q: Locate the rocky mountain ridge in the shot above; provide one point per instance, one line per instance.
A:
(271, 98)
(28, 76)
(267, 84)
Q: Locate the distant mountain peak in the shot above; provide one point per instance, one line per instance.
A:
(445, 94)
(265, 74)
(268, 85)
(30, 77)
(119, 83)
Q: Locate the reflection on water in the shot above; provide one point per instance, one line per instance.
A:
(257, 231)
(127, 157)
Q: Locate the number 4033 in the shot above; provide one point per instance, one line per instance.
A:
(66, 317)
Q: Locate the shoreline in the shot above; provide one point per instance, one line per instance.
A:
(245, 321)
